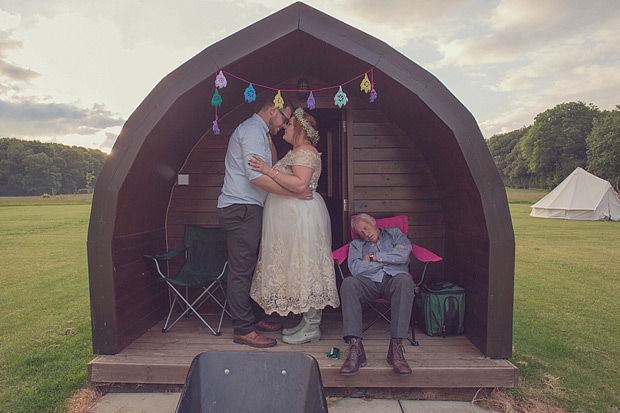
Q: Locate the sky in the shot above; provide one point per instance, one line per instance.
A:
(72, 71)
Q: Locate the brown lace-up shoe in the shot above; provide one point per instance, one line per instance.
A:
(356, 357)
(255, 339)
(396, 357)
(268, 327)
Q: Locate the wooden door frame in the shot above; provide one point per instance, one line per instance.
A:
(348, 208)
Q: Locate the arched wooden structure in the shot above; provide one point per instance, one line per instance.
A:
(416, 150)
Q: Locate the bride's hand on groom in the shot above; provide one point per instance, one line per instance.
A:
(306, 195)
(257, 164)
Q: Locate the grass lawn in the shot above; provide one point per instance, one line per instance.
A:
(566, 317)
(45, 321)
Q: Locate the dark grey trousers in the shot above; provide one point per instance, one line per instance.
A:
(243, 224)
(399, 290)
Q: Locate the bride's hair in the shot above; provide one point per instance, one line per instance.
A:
(309, 129)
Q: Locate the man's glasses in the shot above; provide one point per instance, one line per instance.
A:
(287, 120)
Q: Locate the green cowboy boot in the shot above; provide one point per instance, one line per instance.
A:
(293, 330)
(309, 332)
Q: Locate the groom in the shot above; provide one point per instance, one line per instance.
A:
(240, 213)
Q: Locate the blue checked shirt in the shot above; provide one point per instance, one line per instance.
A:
(389, 259)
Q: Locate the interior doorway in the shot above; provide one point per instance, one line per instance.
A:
(332, 183)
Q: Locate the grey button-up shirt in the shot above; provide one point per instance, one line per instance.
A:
(390, 260)
(250, 137)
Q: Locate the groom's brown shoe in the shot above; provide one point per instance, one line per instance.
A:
(268, 327)
(255, 339)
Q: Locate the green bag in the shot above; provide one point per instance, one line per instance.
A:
(440, 309)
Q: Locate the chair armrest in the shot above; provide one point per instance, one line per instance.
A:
(165, 256)
(341, 253)
(424, 255)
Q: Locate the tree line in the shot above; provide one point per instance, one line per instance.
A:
(562, 138)
(537, 156)
(37, 168)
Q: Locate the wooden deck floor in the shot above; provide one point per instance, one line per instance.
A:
(451, 362)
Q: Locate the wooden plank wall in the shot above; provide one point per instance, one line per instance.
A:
(134, 279)
(467, 266)
(391, 177)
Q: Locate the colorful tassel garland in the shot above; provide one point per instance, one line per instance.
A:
(373, 95)
(278, 102)
(365, 85)
(249, 94)
(216, 100)
(340, 99)
(220, 81)
(311, 102)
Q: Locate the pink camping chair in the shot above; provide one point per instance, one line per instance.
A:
(381, 306)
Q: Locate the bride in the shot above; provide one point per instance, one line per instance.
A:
(295, 270)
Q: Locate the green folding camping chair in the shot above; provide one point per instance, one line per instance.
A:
(205, 266)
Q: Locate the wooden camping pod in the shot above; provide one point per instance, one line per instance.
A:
(416, 151)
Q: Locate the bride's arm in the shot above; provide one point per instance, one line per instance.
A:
(269, 185)
(298, 182)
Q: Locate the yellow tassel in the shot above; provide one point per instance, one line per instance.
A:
(278, 102)
(365, 85)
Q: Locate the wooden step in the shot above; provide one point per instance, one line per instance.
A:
(164, 358)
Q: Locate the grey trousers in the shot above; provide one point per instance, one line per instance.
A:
(243, 225)
(399, 290)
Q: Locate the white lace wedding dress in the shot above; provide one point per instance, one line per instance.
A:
(295, 270)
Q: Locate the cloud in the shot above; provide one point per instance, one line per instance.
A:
(507, 59)
(28, 117)
(405, 13)
(8, 20)
(9, 70)
(107, 144)
(399, 22)
(517, 30)
(590, 83)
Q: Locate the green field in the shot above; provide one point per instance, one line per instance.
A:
(45, 320)
(565, 315)
(566, 318)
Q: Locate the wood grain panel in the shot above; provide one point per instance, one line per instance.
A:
(135, 252)
(395, 192)
(421, 205)
(208, 154)
(206, 179)
(394, 179)
(147, 237)
(213, 142)
(368, 115)
(193, 205)
(129, 313)
(363, 128)
(204, 167)
(202, 219)
(451, 362)
(390, 167)
(387, 154)
(390, 141)
(195, 192)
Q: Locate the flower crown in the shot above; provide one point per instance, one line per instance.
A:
(312, 133)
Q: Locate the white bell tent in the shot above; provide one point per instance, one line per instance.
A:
(580, 196)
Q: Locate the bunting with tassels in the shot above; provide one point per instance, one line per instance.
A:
(367, 85)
